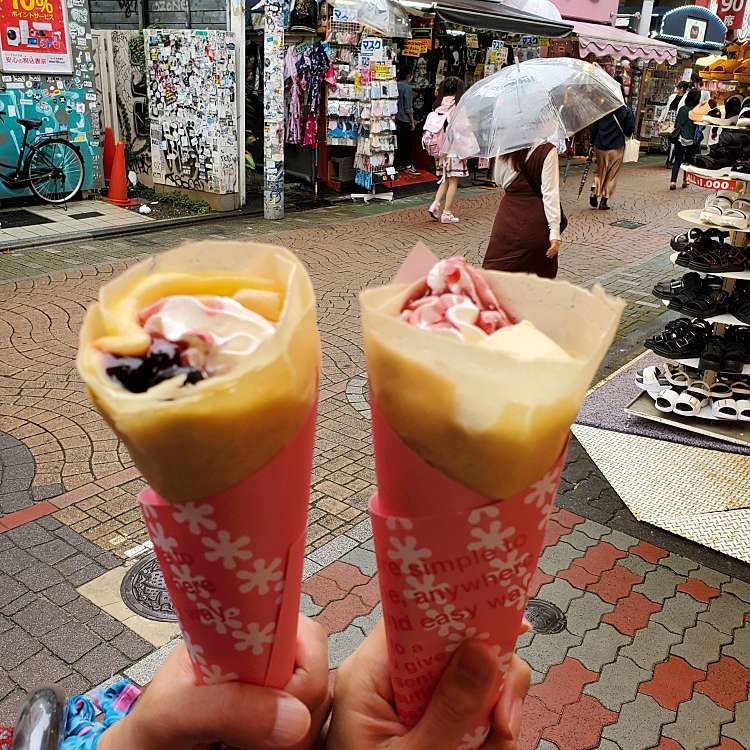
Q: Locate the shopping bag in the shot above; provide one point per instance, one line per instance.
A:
(632, 149)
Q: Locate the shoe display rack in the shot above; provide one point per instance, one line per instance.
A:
(710, 404)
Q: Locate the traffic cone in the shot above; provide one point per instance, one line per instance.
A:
(118, 181)
(109, 153)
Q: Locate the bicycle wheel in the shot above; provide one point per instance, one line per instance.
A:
(55, 170)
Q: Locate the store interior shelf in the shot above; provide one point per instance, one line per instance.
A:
(722, 429)
(694, 363)
(726, 319)
(693, 215)
(742, 275)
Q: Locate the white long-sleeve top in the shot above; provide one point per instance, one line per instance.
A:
(505, 174)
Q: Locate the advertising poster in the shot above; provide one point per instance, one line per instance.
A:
(34, 37)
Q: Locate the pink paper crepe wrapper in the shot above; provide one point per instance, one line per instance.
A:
(460, 573)
(232, 563)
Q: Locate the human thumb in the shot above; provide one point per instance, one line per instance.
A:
(465, 690)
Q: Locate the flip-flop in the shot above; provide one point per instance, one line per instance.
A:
(692, 399)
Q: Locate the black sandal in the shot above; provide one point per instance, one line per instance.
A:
(674, 287)
(707, 305)
(681, 342)
(712, 356)
(729, 260)
(737, 349)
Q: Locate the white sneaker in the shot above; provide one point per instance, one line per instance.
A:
(448, 218)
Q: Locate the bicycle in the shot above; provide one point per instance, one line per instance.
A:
(50, 166)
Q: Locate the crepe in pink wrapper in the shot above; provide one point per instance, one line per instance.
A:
(232, 563)
(475, 378)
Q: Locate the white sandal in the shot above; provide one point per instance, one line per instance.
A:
(743, 410)
(666, 400)
(692, 399)
(651, 379)
(725, 408)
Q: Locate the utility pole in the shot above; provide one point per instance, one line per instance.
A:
(644, 27)
(273, 111)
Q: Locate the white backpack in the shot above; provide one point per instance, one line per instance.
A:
(433, 132)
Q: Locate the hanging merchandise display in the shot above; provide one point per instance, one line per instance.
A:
(34, 37)
(193, 117)
(343, 104)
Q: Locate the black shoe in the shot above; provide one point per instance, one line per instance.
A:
(603, 205)
(592, 200)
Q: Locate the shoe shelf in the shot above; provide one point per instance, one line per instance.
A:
(693, 215)
(705, 413)
(694, 364)
(715, 179)
(726, 319)
(741, 275)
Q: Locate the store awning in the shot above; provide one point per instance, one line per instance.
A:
(609, 41)
(494, 16)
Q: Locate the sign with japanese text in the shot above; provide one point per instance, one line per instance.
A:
(370, 48)
(472, 41)
(732, 13)
(416, 47)
(34, 37)
(711, 183)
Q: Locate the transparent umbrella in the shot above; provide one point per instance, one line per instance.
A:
(383, 16)
(530, 102)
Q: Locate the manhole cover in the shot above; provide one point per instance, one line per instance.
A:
(21, 218)
(143, 590)
(625, 224)
(545, 617)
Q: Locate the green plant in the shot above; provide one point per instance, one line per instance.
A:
(175, 198)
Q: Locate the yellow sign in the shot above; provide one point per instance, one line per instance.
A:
(472, 41)
(382, 72)
(415, 47)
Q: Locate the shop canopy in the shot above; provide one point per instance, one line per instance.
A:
(494, 16)
(609, 41)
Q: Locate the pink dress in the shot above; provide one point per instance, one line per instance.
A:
(450, 166)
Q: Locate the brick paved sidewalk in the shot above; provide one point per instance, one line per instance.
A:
(69, 527)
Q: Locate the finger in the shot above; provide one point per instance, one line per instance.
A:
(525, 626)
(309, 682)
(240, 715)
(464, 690)
(507, 715)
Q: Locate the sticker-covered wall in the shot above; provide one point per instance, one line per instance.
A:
(61, 100)
(192, 111)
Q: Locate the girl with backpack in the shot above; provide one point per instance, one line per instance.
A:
(449, 168)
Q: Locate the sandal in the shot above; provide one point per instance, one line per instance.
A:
(651, 379)
(670, 289)
(676, 375)
(726, 260)
(743, 410)
(712, 356)
(725, 408)
(735, 354)
(684, 341)
(741, 309)
(666, 400)
(692, 399)
(716, 302)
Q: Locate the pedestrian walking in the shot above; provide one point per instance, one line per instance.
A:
(450, 169)
(608, 139)
(669, 115)
(405, 121)
(526, 232)
(683, 137)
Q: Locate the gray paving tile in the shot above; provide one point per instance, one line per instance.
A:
(367, 623)
(41, 669)
(679, 613)
(619, 540)
(606, 744)
(143, 671)
(70, 642)
(341, 645)
(106, 626)
(639, 724)
(701, 645)
(637, 565)
(10, 590)
(16, 646)
(369, 545)
(39, 577)
(617, 683)
(679, 564)
(650, 646)
(739, 588)
(332, 551)
(559, 592)
(14, 560)
(362, 531)
(600, 646)
(586, 613)
(132, 645)
(547, 745)
(310, 568)
(101, 663)
(53, 552)
(546, 651)
(362, 559)
(739, 648)
(710, 577)
(726, 613)
(580, 541)
(11, 705)
(307, 606)
(41, 617)
(698, 723)
(659, 584)
(29, 535)
(593, 529)
(558, 557)
(739, 729)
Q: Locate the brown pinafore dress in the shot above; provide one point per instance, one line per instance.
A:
(520, 234)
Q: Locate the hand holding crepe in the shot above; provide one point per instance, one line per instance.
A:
(227, 334)
(483, 398)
